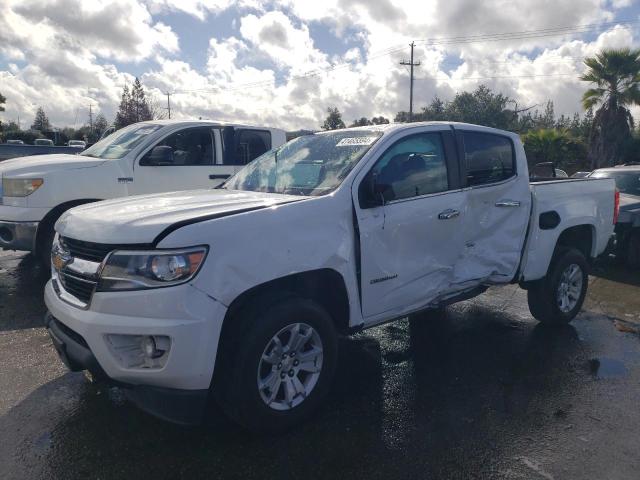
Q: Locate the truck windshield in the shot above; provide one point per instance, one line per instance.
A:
(310, 165)
(120, 142)
(627, 182)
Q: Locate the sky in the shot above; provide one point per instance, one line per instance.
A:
(281, 63)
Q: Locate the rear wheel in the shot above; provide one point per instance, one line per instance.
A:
(281, 369)
(557, 298)
(632, 252)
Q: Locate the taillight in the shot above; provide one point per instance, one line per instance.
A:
(616, 206)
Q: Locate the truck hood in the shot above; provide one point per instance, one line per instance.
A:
(43, 164)
(141, 219)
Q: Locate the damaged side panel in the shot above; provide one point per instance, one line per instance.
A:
(408, 252)
(253, 248)
(494, 232)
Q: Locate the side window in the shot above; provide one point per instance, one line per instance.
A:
(488, 158)
(414, 166)
(188, 147)
(250, 144)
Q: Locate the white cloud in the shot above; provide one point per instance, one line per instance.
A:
(272, 70)
(117, 29)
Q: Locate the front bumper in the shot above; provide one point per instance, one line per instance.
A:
(184, 407)
(18, 235)
(189, 318)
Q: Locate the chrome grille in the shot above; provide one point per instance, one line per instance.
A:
(76, 267)
(81, 288)
(95, 252)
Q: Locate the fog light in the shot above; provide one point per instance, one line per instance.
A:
(149, 347)
(140, 351)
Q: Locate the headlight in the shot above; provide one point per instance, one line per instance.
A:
(131, 270)
(20, 187)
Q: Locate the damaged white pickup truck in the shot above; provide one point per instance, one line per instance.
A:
(239, 293)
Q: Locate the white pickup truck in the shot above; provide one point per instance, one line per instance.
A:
(240, 291)
(147, 157)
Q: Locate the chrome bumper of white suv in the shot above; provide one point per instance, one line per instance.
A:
(18, 235)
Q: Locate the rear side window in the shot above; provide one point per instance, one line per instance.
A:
(488, 158)
(250, 144)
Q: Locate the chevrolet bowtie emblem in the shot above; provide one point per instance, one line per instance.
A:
(60, 258)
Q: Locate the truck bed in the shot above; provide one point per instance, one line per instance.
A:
(561, 204)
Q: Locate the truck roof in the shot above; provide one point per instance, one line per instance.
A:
(210, 122)
(388, 127)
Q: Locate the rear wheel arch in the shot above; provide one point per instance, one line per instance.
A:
(580, 237)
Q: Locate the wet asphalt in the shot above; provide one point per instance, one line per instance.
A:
(478, 391)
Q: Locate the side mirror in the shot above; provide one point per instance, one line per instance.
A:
(160, 155)
(373, 194)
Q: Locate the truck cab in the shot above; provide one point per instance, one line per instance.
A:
(143, 158)
(239, 293)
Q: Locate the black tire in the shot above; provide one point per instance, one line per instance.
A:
(44, 245)
(542, 296)
(236, 386)
(632, 250)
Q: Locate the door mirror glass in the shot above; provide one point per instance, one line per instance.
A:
(372, 192)
(159, 155)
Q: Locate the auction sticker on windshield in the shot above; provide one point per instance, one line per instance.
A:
(356, 141)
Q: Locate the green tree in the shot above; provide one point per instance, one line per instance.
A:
(558, 146)
(140, 107)
(124, 116)
(379, 120)
(362, 122)
(615, 76)
(482, 107)
(435, 111)
(41, 121)
(100, 125)
(333, 120)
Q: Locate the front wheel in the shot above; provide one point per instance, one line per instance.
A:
(44, 245)
(281, 369)
(557, 298)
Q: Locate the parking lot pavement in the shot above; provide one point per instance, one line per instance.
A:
(479, 391)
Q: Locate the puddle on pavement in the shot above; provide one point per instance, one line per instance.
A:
(607, 368)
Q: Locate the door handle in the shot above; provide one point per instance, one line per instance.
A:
(507, 203)
(218, 177)
(448, 214)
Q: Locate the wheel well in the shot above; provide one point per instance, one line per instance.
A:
(324, 286)
(53, 215)
(580, 237)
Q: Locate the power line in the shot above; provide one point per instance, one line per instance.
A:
(524, 34)
(499, 76)
(459, 40)
(411, 64)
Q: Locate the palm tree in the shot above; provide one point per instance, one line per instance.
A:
(554, 145)
(616, 75)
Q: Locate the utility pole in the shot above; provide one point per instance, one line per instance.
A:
(169, 104)
(90, 118)
(411, 64)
